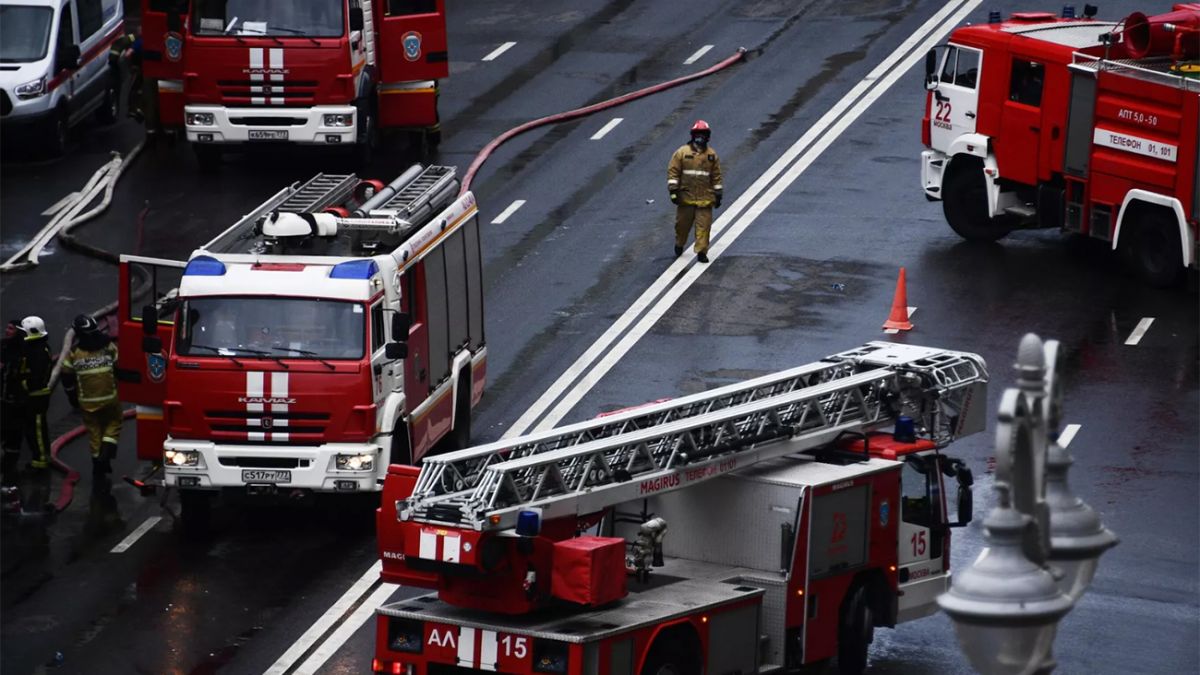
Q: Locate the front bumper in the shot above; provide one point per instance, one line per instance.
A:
(286, 125)
(309, 467)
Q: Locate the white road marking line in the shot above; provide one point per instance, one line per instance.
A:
(331, 616)
(512, 208)
(1140, 331)
(612, 124)
(893, 331)
(130, 540)
(696, 57)
(499, 50)
(885, 71)
(61, 204)
(1067, 435)
(671, 286)
(347, 630)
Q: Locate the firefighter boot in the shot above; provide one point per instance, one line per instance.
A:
(8, 468)
(101, 483)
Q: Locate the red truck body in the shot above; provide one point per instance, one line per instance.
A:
(1084, 125)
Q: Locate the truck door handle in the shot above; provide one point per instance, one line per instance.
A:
(970, 114)
(1035, 129)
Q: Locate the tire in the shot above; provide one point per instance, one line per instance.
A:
(110, 110)
(459, 437)
(195, 510)
(401, 450)
(208, 156)
(368, 135)
(58, 133)
(856, 631)
(668, 656)
(964, 201)
(1155, 252)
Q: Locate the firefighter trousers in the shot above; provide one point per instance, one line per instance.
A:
(687, 215)
(104, 428)
(37, 432)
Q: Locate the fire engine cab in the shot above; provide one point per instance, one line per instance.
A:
(1072, 123)
(753, 528)
(336, 328)
(323, 72)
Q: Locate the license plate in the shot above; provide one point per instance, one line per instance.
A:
(266, 476)
(268, 135)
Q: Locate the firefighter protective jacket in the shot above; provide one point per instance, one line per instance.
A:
(696, 175)
(90, 375)
(34, 369)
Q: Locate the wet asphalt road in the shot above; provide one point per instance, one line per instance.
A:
(811, 276)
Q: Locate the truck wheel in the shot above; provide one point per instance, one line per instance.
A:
(1155, 253)
(110, 110)
(668, 656)
(368, 135)
(964, 201)
(460, 436)
(856, 631)
(401, 451)
(208, 156)
(58, 133)
(195, 510)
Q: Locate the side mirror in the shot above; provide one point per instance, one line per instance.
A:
(931, 81)
(396, 351)
(67, 57)
(150, 320)
(401, 323)
(152, 344)
(356, 19)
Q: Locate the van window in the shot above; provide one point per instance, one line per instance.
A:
(1026, 84)
(90, 18)
(24, 33)
(378, 334)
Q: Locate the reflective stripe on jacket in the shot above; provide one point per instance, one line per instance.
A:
(96, 374)
(697, 175)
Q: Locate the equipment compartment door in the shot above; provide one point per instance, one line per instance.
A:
(412, 40)
(955, 102)
(1021, 122)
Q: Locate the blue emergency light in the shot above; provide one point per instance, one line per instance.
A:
(204, 266)
(994, 16)
(1068, 12)
(354, 269)
(528, 524)
(906, 430)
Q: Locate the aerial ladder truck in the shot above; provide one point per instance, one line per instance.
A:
(804, 509)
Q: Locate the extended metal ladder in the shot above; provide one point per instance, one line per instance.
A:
(592, 465)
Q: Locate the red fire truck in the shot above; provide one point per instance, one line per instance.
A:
(325, 72)
(1084, 125)
(336, 328)
(753, 528)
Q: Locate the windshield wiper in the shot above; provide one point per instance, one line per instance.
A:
(305, 352)
(219, 352)
(265, 355)
(294, 31)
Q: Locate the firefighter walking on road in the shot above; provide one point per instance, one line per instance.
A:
(12, 423)
(695, 184)
(33, 389)
(89, 378)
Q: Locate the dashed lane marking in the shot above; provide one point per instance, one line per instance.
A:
(142, 529)
(1067, 435)
(512, 208)
(499, 50)
(696, 57)
(1139, 331)
(612, 124)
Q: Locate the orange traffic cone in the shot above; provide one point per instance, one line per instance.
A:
(898, 319)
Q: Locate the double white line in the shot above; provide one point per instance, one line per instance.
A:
(587, 370)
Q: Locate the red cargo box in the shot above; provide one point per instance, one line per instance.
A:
(589, 570)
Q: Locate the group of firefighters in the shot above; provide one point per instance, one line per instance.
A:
(89, 380)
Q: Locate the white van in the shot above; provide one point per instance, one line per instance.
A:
(54, 66)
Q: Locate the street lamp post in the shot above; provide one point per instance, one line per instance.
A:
(1043, 542)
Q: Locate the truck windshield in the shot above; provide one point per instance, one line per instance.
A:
(291, 328)
(303, 18)
(24, 33)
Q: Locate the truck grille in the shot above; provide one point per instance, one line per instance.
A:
(268, 121)
(5, 103)
(265, 462)
(286, 93)
(300, 427)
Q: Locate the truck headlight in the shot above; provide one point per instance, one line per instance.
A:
(339, 119)
(182, 457)
(201, 119)
(32, 89)
(364, 461)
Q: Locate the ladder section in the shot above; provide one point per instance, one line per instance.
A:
(421, 191)
(319, 193)
(601, 473)
(461, 470)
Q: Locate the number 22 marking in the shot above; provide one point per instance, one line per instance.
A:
(943, 112)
